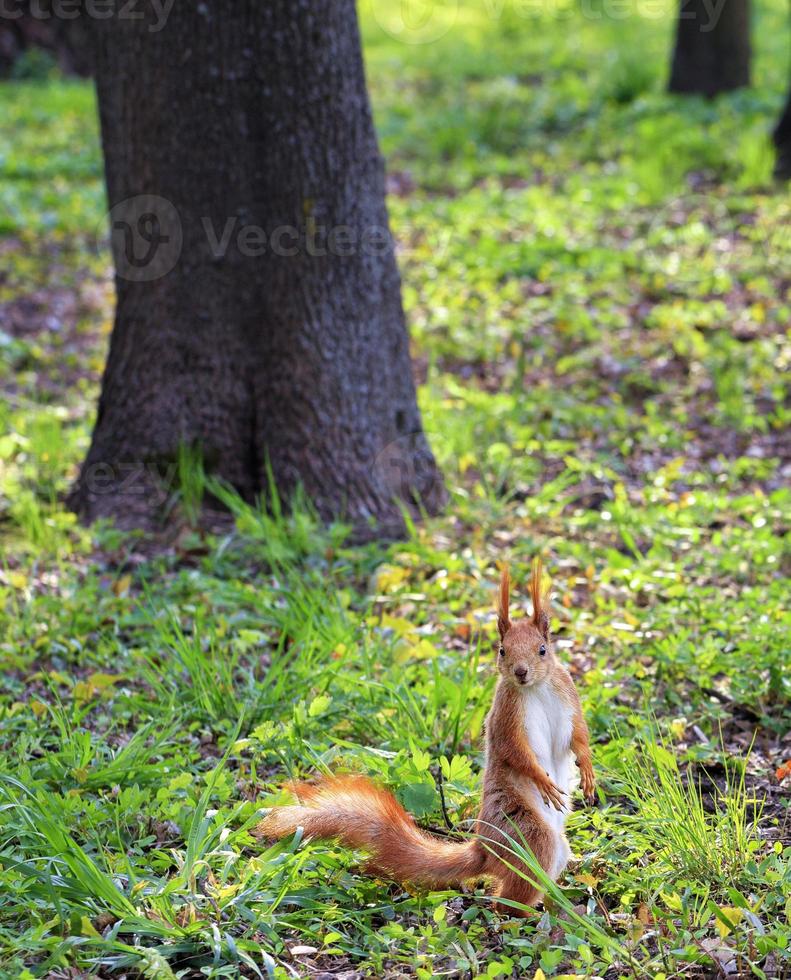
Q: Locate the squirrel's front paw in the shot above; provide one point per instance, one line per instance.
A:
(588, 782)
(551, 794)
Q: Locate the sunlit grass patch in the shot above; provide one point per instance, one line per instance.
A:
(711, 840)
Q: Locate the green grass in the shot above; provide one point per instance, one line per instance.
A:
(596, 277)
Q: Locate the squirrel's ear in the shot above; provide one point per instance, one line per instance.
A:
(503, 622)
(540, 617)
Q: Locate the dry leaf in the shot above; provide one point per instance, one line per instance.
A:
(303, 950)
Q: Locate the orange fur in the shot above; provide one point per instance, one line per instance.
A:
(540, 618)
(535, 698)
(361, 815)
(503, 621)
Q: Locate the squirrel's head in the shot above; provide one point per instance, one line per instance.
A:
(525, 655)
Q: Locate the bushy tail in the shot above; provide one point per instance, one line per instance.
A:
(359, 814)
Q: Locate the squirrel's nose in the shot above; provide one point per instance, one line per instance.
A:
(520, 672)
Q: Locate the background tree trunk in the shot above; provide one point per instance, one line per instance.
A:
(26, 27)
(782, 141)
(712, 52)
(259, 309)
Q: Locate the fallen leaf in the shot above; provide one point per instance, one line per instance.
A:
(783, 770)
(727, 918)
(303, 950)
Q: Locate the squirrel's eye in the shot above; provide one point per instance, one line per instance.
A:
(502, 651)
(542, 650)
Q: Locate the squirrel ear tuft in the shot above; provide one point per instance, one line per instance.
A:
(540, 617)
(503, 622)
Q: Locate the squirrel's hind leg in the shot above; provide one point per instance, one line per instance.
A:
(516, 889)
(545, 844)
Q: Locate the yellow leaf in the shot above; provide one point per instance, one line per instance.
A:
(38, 708)
(388, 577)
(677, 727)
(466, 461)
(95, 684)
(407, 649)
(121, 585)
(728, 918)
(399, 625)
(319, 705)
(635, 930)
(539, 975)
(87, 928)
(102, 681)
(222, 893)
(587, 879)
(673, 901)
(424, 650)
(17, 579)
(82, 692)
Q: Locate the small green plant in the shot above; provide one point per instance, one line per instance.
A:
(34, 65)
(708, 839)
(192, 481)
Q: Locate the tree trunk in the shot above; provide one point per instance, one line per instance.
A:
(782, 141)
(712, 52)
(259, 309)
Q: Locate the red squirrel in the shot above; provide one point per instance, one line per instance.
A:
(533, 732)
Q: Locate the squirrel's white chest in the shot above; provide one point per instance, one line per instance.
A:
(548, 722)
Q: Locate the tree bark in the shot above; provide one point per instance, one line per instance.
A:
(712, 52)
(782, 141)
(259, 309)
